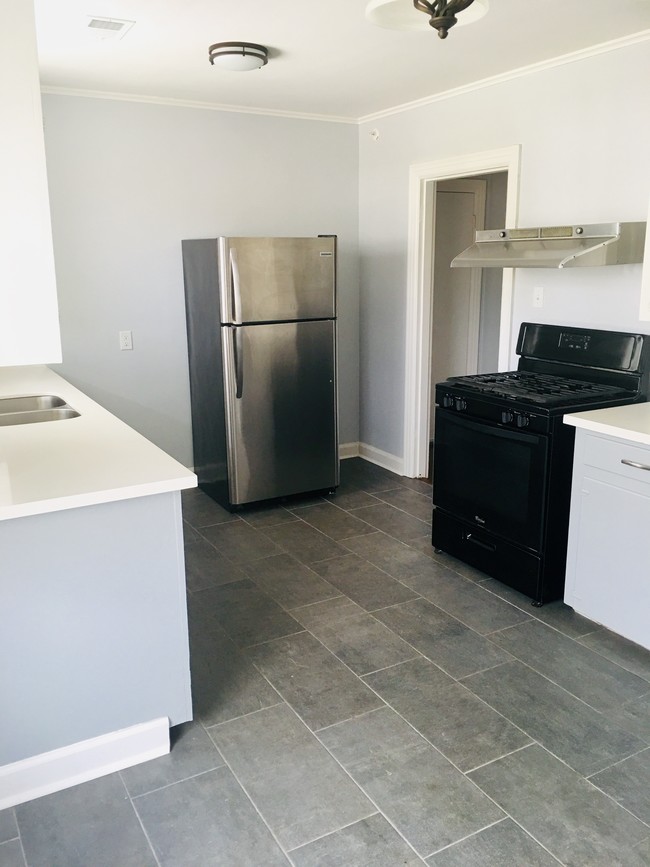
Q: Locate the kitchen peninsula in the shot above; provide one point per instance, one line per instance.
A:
(608, 563)
(94, 659)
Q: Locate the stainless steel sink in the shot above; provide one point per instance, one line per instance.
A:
(28, 402)
(34, 408)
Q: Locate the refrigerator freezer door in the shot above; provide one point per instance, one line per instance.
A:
(276, 279)
(282, 436)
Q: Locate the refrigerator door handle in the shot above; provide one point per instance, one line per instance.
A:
(225, 292)
(238, 362)
(235, 288)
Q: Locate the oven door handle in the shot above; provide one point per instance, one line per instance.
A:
(469, 537)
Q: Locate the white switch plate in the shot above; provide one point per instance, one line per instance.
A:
(126, 340)
(538, 296)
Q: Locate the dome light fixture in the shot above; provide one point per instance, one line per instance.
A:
(238, 56)
(404, 14)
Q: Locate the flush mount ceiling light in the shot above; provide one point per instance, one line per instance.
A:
(407, 14)
(238, 56)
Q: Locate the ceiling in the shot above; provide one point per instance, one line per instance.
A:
(327, 60)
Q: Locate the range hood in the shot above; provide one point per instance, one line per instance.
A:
(555, 247)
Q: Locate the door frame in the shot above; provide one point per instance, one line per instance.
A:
(423, 178)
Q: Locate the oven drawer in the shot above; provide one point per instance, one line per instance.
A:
(610, 455)
(501, 560)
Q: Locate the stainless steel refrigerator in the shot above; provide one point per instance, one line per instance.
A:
(261, 328)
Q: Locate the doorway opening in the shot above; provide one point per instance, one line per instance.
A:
(466, 337)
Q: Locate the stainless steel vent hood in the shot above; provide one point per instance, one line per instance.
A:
(555, 247)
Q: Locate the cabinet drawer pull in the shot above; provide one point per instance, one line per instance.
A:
(634, 464)
(468, 537)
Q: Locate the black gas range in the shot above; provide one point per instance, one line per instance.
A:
(503, 457)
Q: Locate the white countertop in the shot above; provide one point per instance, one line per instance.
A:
(95, 458)
(630, 422)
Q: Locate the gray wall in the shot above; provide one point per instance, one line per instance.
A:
(128, 181)
(585, 141)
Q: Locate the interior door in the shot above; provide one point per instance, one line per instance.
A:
(460, 211)
(281, 409)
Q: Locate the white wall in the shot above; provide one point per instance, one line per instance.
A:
(584, 130)
(128, 181)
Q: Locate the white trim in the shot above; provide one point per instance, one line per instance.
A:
(187, 103)
(85, 760)
(520, 72)
(382, 459)
(417, 388)
(644, 303)
(348, 450)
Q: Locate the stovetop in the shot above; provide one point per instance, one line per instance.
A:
(542, 390)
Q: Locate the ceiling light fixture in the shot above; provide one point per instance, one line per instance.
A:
(238, 56)
(406, 14)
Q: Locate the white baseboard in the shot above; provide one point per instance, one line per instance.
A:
(86, 760)
(348, 450)
(382, 459)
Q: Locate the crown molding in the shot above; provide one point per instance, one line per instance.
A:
(187, 103)
(520, 72)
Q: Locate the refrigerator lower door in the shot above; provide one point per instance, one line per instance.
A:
(280, 409)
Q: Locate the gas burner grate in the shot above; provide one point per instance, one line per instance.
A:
(537, 387)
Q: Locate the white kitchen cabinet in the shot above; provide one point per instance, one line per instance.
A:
(608, 564)
(29, 324)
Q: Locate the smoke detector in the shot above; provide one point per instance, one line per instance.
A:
(108, 28)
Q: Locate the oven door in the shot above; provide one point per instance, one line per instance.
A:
(491, 477)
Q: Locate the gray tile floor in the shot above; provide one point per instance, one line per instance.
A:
(360, 700)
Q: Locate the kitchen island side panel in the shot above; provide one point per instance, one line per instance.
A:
(93, 623)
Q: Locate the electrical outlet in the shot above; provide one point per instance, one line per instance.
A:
(538, 296)
(126, 340)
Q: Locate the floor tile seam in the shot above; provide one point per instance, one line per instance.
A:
(580, 774)
(358, 785)
(417, 654)
(242, 716)
(245, 647)
(614, 800)
(579, 643)
(381, 501)
(330, 833)
(387, 667)
(609, 659)
(542, 745)
(22, 847)
(468, 836)
(250, 799)
(417, 732)
(496, 595)
(618, 762)
(533, 742)
(456, 617)
(499, 822)
(419, 595)
(601, 711)
(146, 835)
(498, 713)
(176, 782)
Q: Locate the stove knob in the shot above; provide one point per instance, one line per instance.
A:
(447, 401)
(507, 417)
(521, 420)
(460, 405)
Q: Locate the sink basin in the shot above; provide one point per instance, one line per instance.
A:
(34, 408)
(28, 402)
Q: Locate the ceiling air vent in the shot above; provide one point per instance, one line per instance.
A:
(109, 28)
